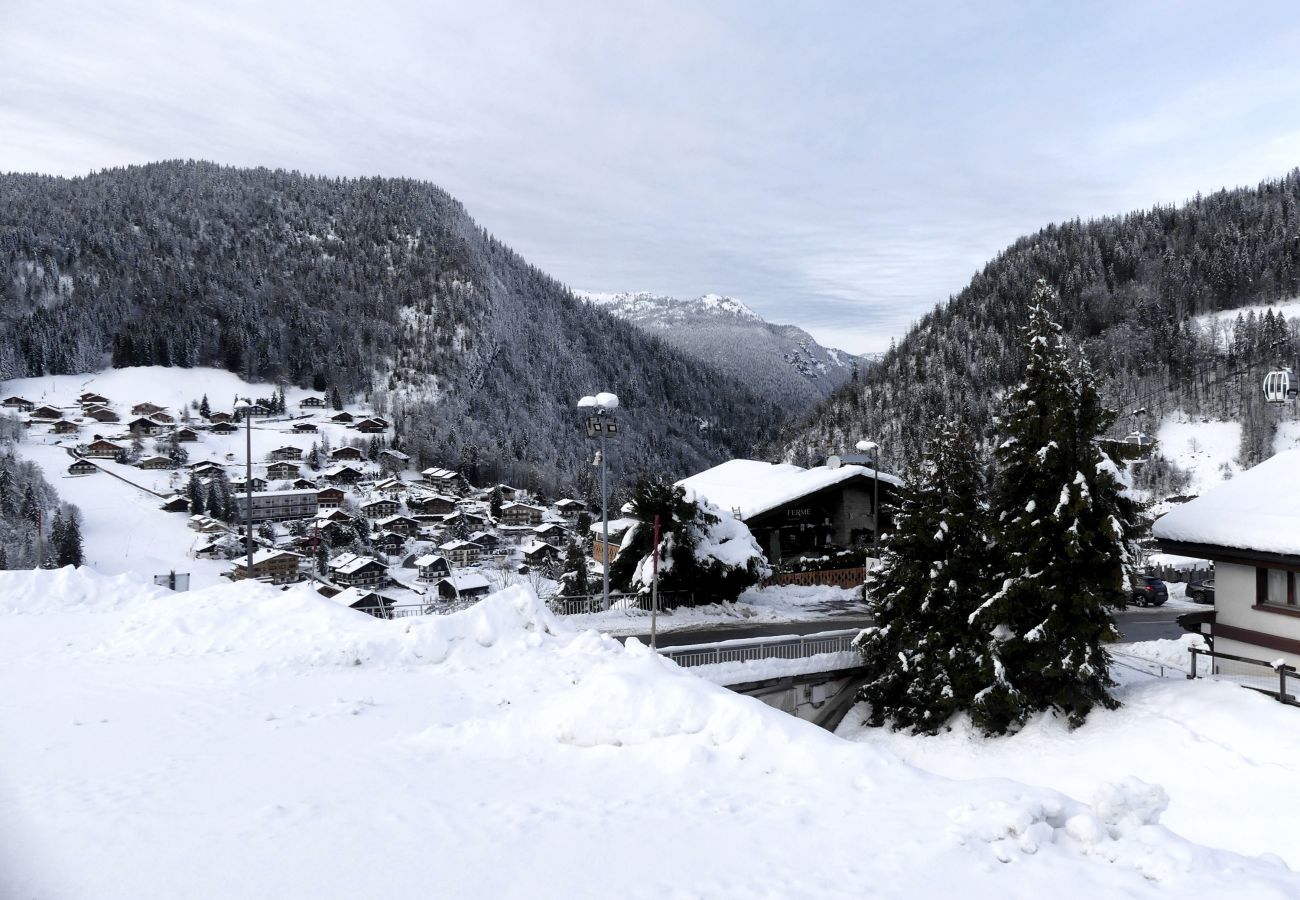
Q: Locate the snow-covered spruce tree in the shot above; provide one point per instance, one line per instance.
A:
(575, 581)
(702, 550)
(1059, 526)
(924, 662)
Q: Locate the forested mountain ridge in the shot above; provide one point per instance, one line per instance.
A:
(783, 362)
(1131, 288)
(375, 286)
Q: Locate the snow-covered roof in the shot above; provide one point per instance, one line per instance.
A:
(438, 473)
(261, 556)
(459, 545)
(429, 559)
(755, 487)
(466, 581)
(347, 563)
(532, 547)
(513, 505)
(616, 526)
(389, 520)
(1258, 510)
(353, 596)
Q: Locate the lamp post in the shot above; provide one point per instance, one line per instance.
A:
(601, 424)
(243, 406)
(874, 449)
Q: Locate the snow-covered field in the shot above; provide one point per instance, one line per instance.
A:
(1206, 449)
(242, 741)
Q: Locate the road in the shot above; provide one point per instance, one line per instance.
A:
(1134, 625)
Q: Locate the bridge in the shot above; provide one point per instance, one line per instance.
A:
(812, 676)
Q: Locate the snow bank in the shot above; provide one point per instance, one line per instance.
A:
(190, 752)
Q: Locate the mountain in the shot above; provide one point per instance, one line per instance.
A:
(375, 286)
(1140, 296)
(782, 362)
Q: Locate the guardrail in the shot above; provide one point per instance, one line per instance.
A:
(1257, 674)
(777, 647)
(595, 603)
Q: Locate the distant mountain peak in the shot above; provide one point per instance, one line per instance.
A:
(783, 362)
(650, 308)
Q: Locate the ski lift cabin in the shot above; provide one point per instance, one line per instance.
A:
(1280, 386)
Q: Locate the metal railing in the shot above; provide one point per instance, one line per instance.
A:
(778, 647)
(406, 610)
(586, 604)
(1257, 674)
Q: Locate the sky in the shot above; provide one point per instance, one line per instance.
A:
(842, 166)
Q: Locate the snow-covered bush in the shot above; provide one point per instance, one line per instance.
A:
(702, 550)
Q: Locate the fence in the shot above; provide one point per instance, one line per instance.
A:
(780, 647)
(594, 603)
(1256, 674)
(405, 610)
(844, 578)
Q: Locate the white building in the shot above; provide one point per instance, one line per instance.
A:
(1250, 528)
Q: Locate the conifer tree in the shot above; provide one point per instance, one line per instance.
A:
(924, 663)
(576, 578)
(195, 492)
(70, 549)
(495, 504)
(205, 409)
(1060, 521)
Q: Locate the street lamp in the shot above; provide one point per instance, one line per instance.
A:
(243, 406)
(874, 449)
(601, 424)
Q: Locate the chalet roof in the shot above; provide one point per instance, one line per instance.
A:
(391, 520)
(513, 505)
(532, 548)
(434, 472)
(349, 563)
(101, 442)
(548, 527)
(616, 526)
(289, 493)
(263, 555)
(356, 596)
(154, 459)
(378, 500)
(396, 454)
(466, 581)
(755, 487)
(566, 502)
(340, 469)
(459, 545)
(331, 491)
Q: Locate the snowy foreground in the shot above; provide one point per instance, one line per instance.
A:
(245, 742)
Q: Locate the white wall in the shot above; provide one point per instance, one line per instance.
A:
(1234, 597)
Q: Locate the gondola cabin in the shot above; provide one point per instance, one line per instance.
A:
(1280, 386)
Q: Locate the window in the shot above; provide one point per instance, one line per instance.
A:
(1276, 587)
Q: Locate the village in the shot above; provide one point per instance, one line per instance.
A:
(335, 502)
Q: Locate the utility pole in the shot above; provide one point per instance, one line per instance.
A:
(654, 591)
(874, 449)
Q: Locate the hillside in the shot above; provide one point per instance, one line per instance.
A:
(1145, 295)
(782, 362)
(383, 288)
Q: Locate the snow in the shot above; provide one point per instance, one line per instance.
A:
(245, 741)
(754, 487)
(1206, 449)
(1257, 510)
(1222, 754)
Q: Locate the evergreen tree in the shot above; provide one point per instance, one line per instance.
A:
(495, 503)
(205, 409)
(196, 495)
(575, 580)
(336, 401)
(1059, 560)
(690, 532)
(924, 662)
(4, 559)
(30, 509)
(69, 547)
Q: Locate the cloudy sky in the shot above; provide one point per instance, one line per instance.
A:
(841, 166)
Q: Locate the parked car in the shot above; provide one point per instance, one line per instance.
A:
(1201, 591)
(1147, 590)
